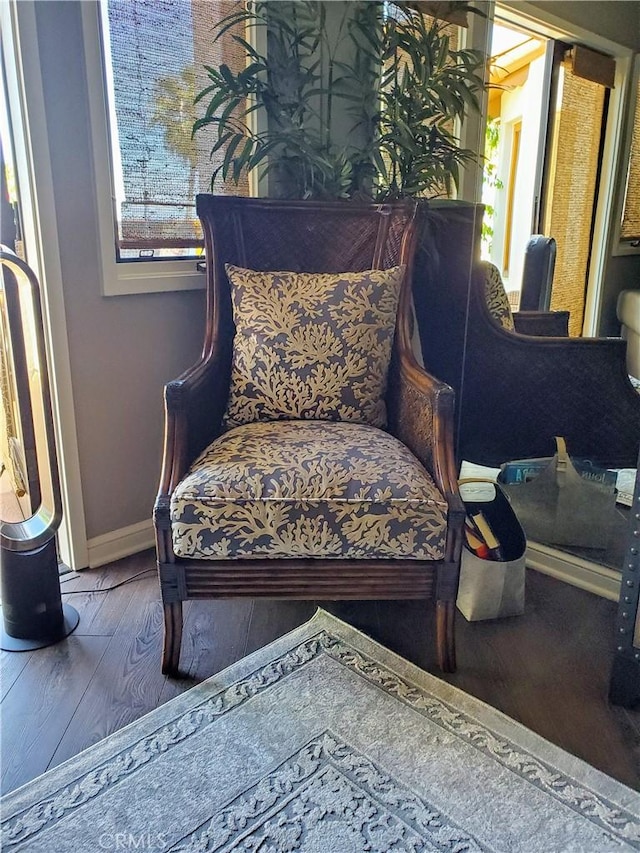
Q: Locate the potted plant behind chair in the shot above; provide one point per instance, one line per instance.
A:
(360, 100)
(425, 87)
(278, 114)
(356, 99)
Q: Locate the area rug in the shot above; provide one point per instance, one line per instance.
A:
(323, 742)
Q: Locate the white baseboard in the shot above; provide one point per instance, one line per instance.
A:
(574, 570)
(120, 543)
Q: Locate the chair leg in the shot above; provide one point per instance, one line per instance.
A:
(172, 638)
(445, 635)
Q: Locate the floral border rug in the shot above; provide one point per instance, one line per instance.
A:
(323, 742)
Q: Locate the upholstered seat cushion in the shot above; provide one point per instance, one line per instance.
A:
(308, 489)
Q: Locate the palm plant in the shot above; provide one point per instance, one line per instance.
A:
(284, 82)
(424, 85)
(387, 66)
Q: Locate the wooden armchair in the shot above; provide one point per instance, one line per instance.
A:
(360, 511)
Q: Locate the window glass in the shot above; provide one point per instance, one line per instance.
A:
(155, 52)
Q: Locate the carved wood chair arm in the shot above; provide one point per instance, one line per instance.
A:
(194, 405)
(421, 415)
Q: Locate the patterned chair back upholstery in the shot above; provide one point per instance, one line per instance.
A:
(496, 297)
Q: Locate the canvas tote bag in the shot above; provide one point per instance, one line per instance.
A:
(492, 586)
(559, 507)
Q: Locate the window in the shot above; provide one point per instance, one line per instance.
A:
(516, 138)
(145, 187)
(154, 53)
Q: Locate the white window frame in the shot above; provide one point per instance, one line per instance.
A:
(120, 278)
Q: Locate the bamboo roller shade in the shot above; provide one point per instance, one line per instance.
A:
(573, 191)
(631, 217)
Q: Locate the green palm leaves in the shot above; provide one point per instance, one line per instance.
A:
(362, 101)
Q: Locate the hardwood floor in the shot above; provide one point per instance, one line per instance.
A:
(549, 668)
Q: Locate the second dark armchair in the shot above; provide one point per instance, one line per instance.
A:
(516, 391)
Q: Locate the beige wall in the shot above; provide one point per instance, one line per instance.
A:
(622, 273)
(122, 349)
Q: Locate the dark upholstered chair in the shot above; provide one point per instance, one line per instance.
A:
(531, 388)
(368, 512)
(515, 391)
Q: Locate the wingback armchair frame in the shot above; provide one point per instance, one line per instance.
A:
(311, 237)
(516, 390)
(531, 388)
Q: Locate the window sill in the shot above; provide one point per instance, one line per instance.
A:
(153, 277)
(627, 248)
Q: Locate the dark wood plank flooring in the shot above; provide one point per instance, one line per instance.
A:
(549, 669)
